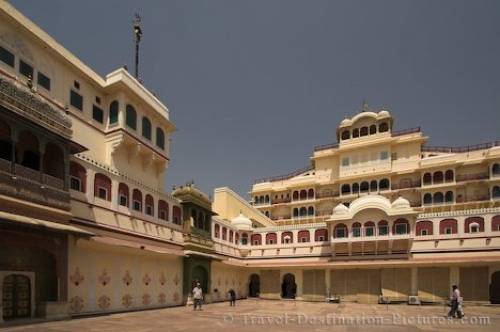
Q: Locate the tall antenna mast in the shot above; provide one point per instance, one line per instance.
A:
(137, 40)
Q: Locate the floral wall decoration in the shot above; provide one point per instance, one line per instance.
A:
(163, 279)
(104, 278)
(127, 300)
(127, 278)
(76, 304)
(146, 299)
(104, 302)
(146, 279)
(162, 298)
(77, 278)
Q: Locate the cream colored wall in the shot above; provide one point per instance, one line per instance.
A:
(156, 279)
(225, 277)
(228, 205)
(63, 73)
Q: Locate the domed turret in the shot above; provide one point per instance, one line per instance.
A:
(400, 203)
(242, 223)
(340, 209)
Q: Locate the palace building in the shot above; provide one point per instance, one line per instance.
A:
(88, 227)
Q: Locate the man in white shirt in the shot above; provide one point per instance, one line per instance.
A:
(197, 296)
(455, 300)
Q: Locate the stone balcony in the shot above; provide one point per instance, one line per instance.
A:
(33, 186)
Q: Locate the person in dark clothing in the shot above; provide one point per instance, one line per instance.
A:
(232, 297)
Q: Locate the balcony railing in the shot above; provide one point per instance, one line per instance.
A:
(326, 146)
(405, 131)
(33, 186)
(327, 194)
(478, 198)
(460, 149)
(281, 200)
(284, 177)
(472, 177)
(405, 185)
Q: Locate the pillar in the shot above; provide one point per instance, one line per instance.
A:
(414, 281)
(327, 282)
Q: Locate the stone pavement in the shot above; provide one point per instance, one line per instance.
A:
(252, 315)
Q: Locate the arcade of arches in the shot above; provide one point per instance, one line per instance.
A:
(431, 283)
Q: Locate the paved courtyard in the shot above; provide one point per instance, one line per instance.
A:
(252, 315)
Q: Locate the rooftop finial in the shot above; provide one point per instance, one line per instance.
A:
(137, 39)
(365, 107)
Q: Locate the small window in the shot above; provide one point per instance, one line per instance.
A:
(270, 242)
(383, 230)
(287, 239)
(356, 232)
(448, 230)
(102, 193)
(76, 85)
(149, 210)
(345, 161)
(137, 206)
(160, 138)
(6, 57)
(97, 114)
(75, 183)
(25, 69)
(321, 238)
(76, 100)
(423, 232)
(163, 215)
(340, 232)
(474, 228)
(401, 229)
(123, 200)
(98, 100)
(113, 112)
(43, 81)
(384, 155)
(369, 231)
(146, 128)
(394, 156)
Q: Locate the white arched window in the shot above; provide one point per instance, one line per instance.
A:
(474, 227)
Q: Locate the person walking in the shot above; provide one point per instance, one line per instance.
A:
(456, 301)
(197, 296)
(232, 297)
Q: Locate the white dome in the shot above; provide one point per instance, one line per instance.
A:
(341, 209)
(400, 203)
(383, 114)
(346, 121)
(242, 222)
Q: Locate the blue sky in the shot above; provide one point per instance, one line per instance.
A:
(253, 86)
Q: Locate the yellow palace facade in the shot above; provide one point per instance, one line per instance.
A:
(87, 226)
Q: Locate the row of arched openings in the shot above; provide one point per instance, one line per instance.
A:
(439, 198)
(365, 187)
(364, 131)
(438, 177)
(303, 236)
(450, 226)
(131, 122)
(133, 199)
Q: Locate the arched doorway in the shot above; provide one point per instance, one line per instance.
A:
(200, 275)
(16, 300)
(254, 286)
(288, 287)
(495, 288)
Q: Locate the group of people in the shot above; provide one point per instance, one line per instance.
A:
(198, 296)
(455, 311)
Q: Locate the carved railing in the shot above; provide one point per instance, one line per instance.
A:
(475, 198)
(460, 149)
(326, 146)
(32, 186)
(281, 200)
(284, 177)
(405, 185)
(405, 131)
(472, 177)
(21, 100)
